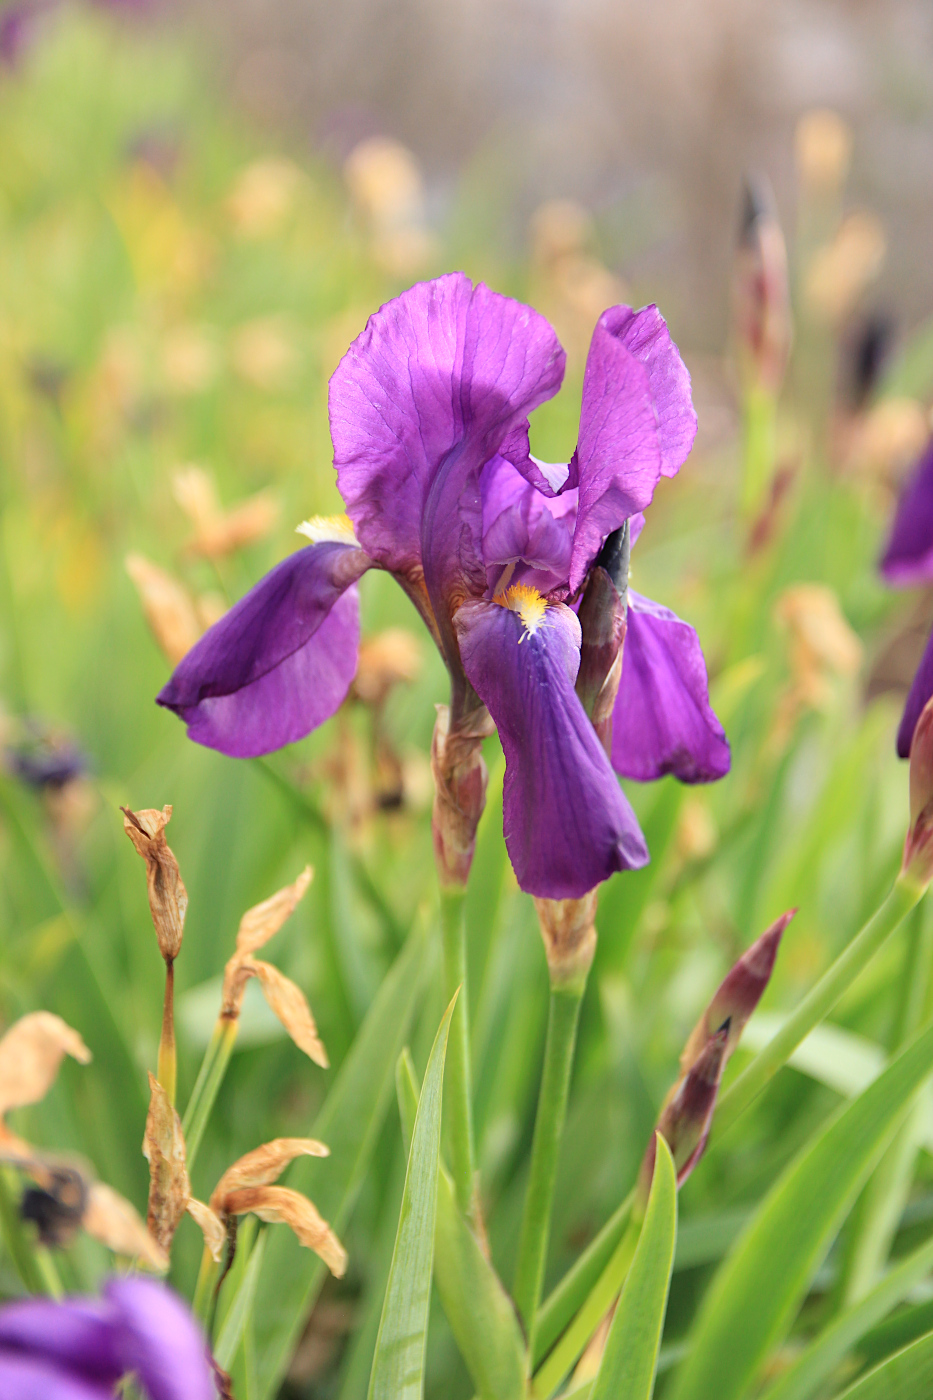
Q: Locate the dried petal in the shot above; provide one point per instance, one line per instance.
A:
(264, 1165)
(259, 924)
(110, 1218)
(212, 1227)
(30, 1054)
(169, 610)
(168, 898)
(164, 1150)
(290, 1005)
(280, 1205)
(237, 973)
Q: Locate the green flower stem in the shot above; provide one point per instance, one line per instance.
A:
(578, 1334)
(563, 1018)
(458, 1096)
(876, 1219)
(571, 1293)
(759, 448)
(211, 1075)
(168, 1055)
(817, 1004)
(204, 1288)
(19, 1247)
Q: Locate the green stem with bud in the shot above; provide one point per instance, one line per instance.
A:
(563, 1019)
(818, 1003)
(167, 1066)
(458, 1097)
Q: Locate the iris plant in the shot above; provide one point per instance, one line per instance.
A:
(907, 562)
(429, 417)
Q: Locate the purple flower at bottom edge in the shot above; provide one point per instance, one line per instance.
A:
(429, 418)
(79, 1349)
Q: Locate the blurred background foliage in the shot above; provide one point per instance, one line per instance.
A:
(176, 285)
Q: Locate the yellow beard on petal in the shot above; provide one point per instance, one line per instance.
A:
(328, 529)
(527, 602)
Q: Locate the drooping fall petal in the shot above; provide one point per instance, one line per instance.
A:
(280, 662)
(210, 1225)
(281, 1205)
(907, 561)
(663, 721)
(260, 923)
(568, 825)
(264, 1165)
(289, 1003)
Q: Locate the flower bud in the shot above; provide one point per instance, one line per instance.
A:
(168, 898)
(917, 865)
(687, 1115)
(459, 792)
(602, 623)
(761, 316)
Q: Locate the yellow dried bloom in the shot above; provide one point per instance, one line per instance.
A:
(840, 271)
(263, 1165)
(289, 1003)
(280, 1205)
(168, 609)
(212, 1227)
(823, 150)
(386, 659)
(264, 920)
(219, 532)
(168, 898)
(30, 1055)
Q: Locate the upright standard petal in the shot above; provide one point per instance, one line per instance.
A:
(280, 662)
(636, 424)
(568, 825)
(160, 1341)
(421, 400)
(908, 558)
(663, 721)
(525, 532)
(920, 692)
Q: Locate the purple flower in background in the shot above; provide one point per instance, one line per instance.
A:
(80, 1348)
(429, 418)
(908, 558)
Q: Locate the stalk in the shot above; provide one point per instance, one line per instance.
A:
(207, 1085)
(574, 1341)
(19, 1248)
(571, 1293)
(759, 448)
(458, 1099)
(563, 1018)
(168, 1055)
(817, 1004)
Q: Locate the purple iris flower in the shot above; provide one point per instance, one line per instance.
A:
(908, 558)
(80, 1348)
(429, 418)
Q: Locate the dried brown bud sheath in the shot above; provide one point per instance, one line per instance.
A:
(168, 898)
(917, 865)
(459, 792)
(569, 932)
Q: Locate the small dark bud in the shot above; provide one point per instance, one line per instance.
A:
(761, 317)
(57, 1208)
(602, 617)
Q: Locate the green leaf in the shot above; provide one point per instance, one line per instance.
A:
(398, 1366)
(907, 1375)
(479, 1310)
(758, 1290)
(812, 1367)
(235, 1321)
(349, 1122)
(631, 1356)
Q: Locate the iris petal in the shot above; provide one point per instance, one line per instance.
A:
(568, 825)
(280, 662)
(920, 692)
(663, 721)
(908, 558)
(32, 1378)
(161, 1341)
(421, 400)
(76, 1335)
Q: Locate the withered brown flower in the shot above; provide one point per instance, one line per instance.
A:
(168, 898)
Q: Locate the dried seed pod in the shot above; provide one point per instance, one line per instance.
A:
(264, 1165)
(164, 1150)
(280, 1205)
(112, 1220)
(168, 898)
(30, 1055)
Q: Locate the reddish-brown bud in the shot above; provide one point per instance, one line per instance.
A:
(459, 791)
(686, 1117)
(761, 314)
(917, 865)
